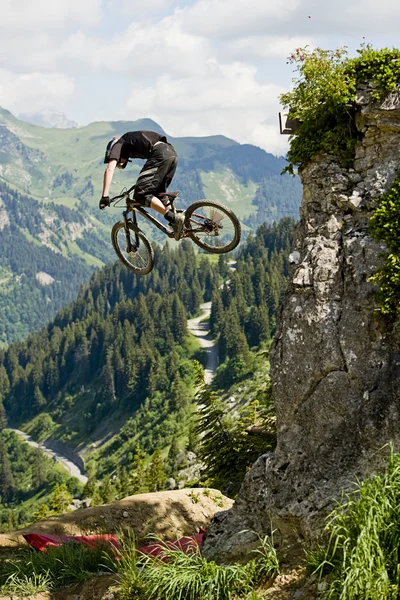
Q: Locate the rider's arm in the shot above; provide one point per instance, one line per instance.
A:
(108, 176)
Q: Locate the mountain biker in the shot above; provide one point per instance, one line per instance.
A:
(155, 176)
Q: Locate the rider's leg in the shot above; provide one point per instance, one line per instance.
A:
(154, 177)
(157, 205)
(176, 220)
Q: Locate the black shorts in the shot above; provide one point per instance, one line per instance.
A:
(157, 173)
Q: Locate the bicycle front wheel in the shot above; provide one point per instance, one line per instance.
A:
(140, 259)
(212, 226)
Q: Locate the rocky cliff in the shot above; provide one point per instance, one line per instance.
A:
(335, 362)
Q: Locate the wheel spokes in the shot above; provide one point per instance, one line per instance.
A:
(138, 257)
(213, 226)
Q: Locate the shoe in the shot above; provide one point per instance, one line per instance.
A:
(178, 225)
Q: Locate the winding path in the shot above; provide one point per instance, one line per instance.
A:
(200, 328)
(63, 460)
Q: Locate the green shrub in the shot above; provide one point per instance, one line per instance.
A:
(323, 98)
(225, 446)
(363, 553)
(385, 226)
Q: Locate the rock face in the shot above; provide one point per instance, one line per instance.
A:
(335, 363)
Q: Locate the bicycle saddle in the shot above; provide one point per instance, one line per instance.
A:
(168, 197)
(170, 194)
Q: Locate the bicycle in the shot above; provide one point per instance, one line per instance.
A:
(217, 232)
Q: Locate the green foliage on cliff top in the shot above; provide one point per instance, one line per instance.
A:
(385, 226)
(323, 98)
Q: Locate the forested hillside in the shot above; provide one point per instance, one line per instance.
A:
(43, 260)
(113, 374)
(28, 480)
(244, 310)
(111, 348)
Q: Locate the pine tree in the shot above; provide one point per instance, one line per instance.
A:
(173, 453)
(91, 484)
(106, 491)
(39, 469)
(217, 312)
(156, 475)
(6, 477)
(4, 382)
(61, 498)
(138, 481)
(179, 322)
(39, 401)
(3, 417)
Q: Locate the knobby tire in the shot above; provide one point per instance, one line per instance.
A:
(211, 247)
(122, 254)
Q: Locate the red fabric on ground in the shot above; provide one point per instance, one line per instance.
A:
(42, 541)
(186, 544)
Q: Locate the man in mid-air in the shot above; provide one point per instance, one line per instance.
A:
(155, 176)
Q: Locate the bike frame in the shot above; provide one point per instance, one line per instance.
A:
(134, 207)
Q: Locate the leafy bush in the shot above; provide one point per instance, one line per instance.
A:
(229, 446)
(323, 98)
(385, 226)
(363, 554)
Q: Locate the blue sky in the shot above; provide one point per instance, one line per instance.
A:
(197, 67)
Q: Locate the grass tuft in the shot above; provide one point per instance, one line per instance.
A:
(363, 552)
(176, 575)
(23, 586)
(58, 566)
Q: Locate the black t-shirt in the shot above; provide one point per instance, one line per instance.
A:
(136, 144)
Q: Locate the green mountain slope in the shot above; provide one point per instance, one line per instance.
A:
(60, 164)
(45, 255)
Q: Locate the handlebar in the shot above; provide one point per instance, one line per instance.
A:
(123, 195)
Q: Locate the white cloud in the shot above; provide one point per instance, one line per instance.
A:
(236, 18)
(141, 8)
(26, 15)
(226, 99)
(209, 66)
(265, 47)
(34, 91)
(144, 49)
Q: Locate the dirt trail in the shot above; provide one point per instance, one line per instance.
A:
(63, 460)
(201, 329)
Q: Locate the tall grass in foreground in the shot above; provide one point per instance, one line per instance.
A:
(35, 572)
(364, 547)
(175, 575)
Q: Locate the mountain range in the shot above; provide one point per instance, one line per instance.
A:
(51, 231)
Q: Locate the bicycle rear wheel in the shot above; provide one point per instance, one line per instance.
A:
(212, 226)
(141, 258)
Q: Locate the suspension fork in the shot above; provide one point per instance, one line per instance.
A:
(129, 246)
